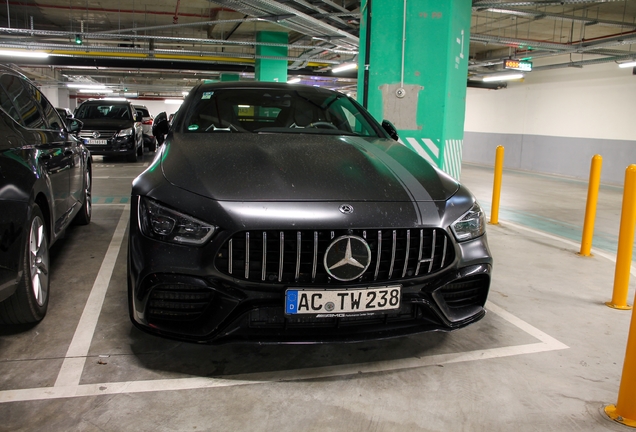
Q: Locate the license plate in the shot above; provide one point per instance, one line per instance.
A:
(96, 141)
(351, 301)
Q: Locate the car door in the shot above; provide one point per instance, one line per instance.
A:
(71, 156)
(49, 147)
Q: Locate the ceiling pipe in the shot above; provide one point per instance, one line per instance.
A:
(553, 16)
(301, 22)
(107, 36)
(40, 5)
(482, 4)
(132, 53)
(585, 62)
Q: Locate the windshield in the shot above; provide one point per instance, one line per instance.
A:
(103, 111)
(256, 110)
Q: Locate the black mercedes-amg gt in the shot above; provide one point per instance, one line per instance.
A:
(284, 213)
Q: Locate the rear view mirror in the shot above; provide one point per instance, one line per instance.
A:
(390, 129)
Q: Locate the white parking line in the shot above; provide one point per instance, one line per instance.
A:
(73, 365)
(72, 389)
(67, 383)
(597, 252)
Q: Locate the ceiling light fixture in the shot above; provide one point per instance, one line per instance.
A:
(627, 65)
(293, 80)
(32, 54)
(502, 77)
(344, 67)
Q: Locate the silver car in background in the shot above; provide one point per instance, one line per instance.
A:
(150, 142)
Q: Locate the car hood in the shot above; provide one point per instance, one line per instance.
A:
(301, 167)
(105, 124)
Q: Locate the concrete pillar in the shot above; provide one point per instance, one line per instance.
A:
(423, 91)
(63, 98)
(268, 69)
(51, 94)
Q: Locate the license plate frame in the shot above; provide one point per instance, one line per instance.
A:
(97, 142)
(344, 302)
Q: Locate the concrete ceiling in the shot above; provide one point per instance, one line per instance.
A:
(162, 47)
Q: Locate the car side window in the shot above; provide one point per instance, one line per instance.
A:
(28, 112)
(8, 107)
(50, 113)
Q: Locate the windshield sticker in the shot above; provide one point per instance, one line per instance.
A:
(207, 95)
(193, 127)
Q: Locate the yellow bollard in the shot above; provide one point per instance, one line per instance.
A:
(590, 208)
(625, 409)
(625, 242)
(496, 189)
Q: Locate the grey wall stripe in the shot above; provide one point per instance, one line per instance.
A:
(552, 155)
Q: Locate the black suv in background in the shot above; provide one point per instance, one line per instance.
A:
(111, 128)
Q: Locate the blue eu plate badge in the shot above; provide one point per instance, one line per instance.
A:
(291, 302)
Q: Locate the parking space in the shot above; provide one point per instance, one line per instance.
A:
(85, 367)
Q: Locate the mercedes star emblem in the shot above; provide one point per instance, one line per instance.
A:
(347, 258)
(346, 209)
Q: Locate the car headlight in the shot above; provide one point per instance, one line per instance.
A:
(125, 132)
(161, 223)
(471, 225)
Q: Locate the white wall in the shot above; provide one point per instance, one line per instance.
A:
(554, 121)
(155, 107)
(594, 102)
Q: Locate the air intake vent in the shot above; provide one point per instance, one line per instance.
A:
(178, 301)
(466, 292)
(296, 257)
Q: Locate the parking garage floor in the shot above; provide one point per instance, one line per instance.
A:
(547, 357)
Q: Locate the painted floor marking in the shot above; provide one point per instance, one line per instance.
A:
(577, 246)
(73, 365)
(68, 386)
(67, 383)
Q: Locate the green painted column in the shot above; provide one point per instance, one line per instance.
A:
(423, 92)
(271, 70)
(229, 77)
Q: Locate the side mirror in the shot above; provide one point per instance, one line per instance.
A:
(390, 129)
(74, 125)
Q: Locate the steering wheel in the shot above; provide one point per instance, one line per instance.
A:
(323, 124)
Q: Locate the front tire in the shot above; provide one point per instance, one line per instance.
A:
(31, 300)
(84, 216)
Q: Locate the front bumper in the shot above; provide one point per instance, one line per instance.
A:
(117, 146)
(178, 292)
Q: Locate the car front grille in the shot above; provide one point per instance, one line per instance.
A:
(466, 292)
(103, 134)
(296, 257)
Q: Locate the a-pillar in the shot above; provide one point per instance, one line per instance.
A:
(267, 69)
(417, 73)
